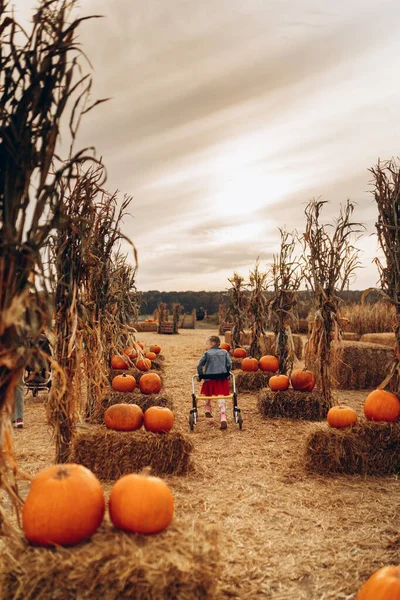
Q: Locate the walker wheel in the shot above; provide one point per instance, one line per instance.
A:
(240, 421)
(34, 392)
(191, 421)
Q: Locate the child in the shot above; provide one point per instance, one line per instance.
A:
(217, 366)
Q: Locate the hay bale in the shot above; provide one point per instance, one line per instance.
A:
(268, 346)
(301, 326)
(245, 338)
(142, 327)
(362, 365)
(136, 397)
(250, 381)
(351, 336)
(111, 454)
(384, 339)
(291, 404)
(181, 562)
(236, 364)
(367, 448)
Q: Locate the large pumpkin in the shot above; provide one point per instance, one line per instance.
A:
(143, 364)
(150, 383)
(65, 505)
(123, 417)
(384, 584)
(341, 416)
(303, 380)
(250, 364)
(156, 349)
(158, 419)
(382, 406)
(239, 353)
(225, 346)
(123, 383)
(117, 362)
(269, 363)
(131, 353)
(151, 355)
(141, 504)
(279, 383)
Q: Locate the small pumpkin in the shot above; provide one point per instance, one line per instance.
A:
(65, 505)
(123, 417)
(143, 364)
(150, 383)
(225, 346)
(141, 345)
(382, 406)
(269, 363)
(117, 362)
(156, 349)
(279, 383)
(141, 504)
(123, 383)
(341, 416)
(131, 353)
(303, 380)
(250, 364)
(151, 355)
(239, 353)
(384, 584)
(158, 419)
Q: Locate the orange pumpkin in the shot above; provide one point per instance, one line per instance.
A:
(279, 383)
(123, 383)
(65, 505)
(131, 353)
(156, 349)
(341, 416)
(158, 419)
(117, 362)
(151, 355)
(150, 383)
(303, 380)
(141, 345)
(250, 364)
(123, 417)
(141, 504)
(384, 584)
(143, 364)
(225, 346)
(382, 406)
(239, 353)
(269, 363)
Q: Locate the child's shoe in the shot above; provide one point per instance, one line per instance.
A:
(18, 424)
(207, 408)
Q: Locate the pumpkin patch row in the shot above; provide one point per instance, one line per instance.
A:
(149, 383)
(143, 362)
(66, 505)
(302, 380)
(380, 406)
(130, 417)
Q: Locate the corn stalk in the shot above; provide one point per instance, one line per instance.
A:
(237, 307)
(257, 310)
(330, 260)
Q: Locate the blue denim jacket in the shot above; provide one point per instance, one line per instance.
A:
(216, 362)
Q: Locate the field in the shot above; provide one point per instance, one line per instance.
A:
(283, 534)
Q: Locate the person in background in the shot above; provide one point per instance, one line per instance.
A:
(18, 420)
(217, 366)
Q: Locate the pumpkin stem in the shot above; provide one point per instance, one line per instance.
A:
(146, 471)
(62, 473)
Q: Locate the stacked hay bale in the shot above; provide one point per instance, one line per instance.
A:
(367, 448)
(293, 404)
(362, 365)
(116, 566)
(145, 326)
(136, 397)
(245, 338)
(111, 454)
(384, 339)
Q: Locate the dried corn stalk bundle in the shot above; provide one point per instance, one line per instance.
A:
(257, 310)
(237, 307)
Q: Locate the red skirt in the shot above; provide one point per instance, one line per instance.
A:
(215, 387)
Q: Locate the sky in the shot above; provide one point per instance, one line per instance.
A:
(227, 116)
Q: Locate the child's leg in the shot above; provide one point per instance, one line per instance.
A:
(207, 408)
(222, 414)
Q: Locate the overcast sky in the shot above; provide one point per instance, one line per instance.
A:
(228, 115)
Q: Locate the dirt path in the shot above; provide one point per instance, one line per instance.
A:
(282, 534)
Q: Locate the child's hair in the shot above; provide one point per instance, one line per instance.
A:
(214, 339)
